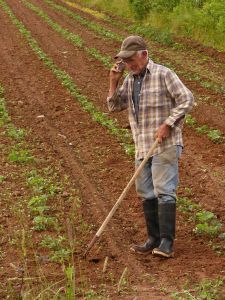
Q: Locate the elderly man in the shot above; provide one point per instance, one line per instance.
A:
(157, 102)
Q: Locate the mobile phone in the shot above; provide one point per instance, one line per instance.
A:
(120, 66)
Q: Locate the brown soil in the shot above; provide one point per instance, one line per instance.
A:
(96, 162)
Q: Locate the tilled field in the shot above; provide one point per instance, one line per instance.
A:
(54, 70)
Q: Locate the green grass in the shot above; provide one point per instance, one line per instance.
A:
(205, 24)
(4, 117)
(207, 289)
(20, 154)
(108, 34)
(215, 135)
(206, 222)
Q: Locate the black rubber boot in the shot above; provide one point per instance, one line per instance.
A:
(150, 208)
(167, 224)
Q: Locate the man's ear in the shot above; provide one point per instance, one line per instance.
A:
(144, 53)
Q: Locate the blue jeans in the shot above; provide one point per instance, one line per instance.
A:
(159, 177)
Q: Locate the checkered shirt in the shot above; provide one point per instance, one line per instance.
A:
(163, 99)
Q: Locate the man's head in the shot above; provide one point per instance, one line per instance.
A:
(134, 53)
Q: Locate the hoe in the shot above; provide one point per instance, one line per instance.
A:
(122, 196)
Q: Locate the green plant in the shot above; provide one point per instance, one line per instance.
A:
(42, 222)
(70, 283)
(59, 253)
(2, 178)
(41, 184)
(207, 224)
(207, 289)
(91, 25)
(4, 117)
(20, 155)
(140, 8)
(190, 121)
(37, 205)
(215, 135)
(15, 133)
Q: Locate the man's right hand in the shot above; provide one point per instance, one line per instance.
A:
(116, 73)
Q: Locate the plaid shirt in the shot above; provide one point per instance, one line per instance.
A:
(163, 99)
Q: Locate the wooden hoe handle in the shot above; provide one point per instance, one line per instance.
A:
(122, 196)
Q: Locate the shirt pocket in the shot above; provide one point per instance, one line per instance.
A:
(156, 98)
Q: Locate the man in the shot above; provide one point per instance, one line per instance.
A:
(157, 102)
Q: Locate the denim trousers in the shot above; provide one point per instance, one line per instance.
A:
(159, 177)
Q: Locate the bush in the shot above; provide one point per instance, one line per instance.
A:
(140, 8)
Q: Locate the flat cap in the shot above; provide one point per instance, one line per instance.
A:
(131, 45)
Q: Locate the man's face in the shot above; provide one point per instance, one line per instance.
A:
(136, 62)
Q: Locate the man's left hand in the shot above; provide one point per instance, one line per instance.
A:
(163, 132)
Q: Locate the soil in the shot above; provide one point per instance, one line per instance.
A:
(96, 162)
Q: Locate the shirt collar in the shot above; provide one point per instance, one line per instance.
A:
(148, 68)
(150, 65)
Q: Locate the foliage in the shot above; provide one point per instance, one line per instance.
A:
(206, 222)
(207, 289)
(20, 154)
(203, 20)
(140, 8)
(4, 117)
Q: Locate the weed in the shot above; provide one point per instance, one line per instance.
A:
(70, 278)
(41, 184)
(215, 135)
(123, 281)
(207, 289)
(4, 117)
(91, 25)
(59, 254)
(206, 221)
(42, 222)
(20, 155)
(15, 133)
(37, 205)
(2, 178)
(190, 121)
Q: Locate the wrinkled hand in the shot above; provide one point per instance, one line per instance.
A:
(117, 71)
(163, 132)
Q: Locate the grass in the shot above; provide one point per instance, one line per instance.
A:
(215, 135)
(183, 19)
(206, 222)
(108, 34)
(4, 117)
(20, 154)
(207, 289)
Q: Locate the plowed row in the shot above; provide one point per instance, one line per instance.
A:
(95, 160)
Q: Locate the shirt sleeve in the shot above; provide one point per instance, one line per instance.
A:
(119, 100)
(181, 94)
